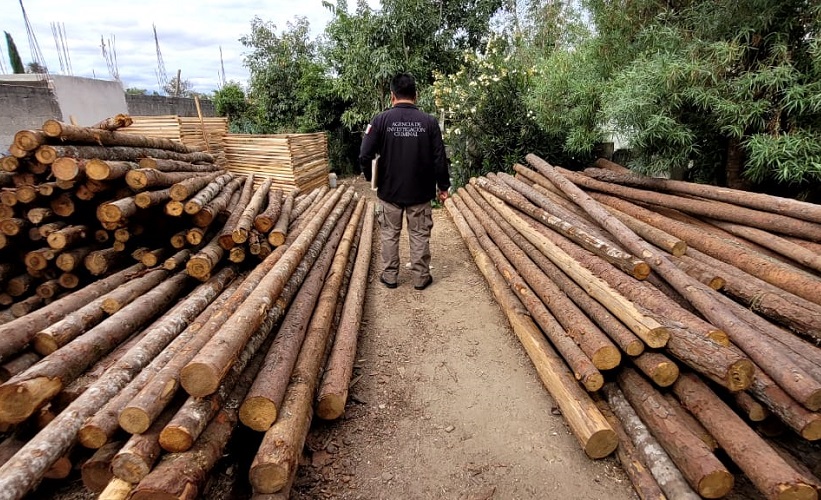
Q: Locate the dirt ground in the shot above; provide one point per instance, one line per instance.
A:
(444, 404)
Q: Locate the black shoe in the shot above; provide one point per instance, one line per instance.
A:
(387, 283)
(425, 284)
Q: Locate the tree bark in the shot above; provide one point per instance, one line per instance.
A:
(67, 237)
(26, 468)
(209, 212)
(694, 459)
(261, 405)
(122, 153)
(207, 193)
(151, 198)
(658, 368)
(17, 365)
(96, 471)
(244, 223)
(779, 245)
(177, 260)
(16, 334)
(265, 221)
(117, 210)
(280, 231)
(203, 374)
(203, 262)
(98, 136)
(167, 165)
(186, 188)
(141, 179)
(225, 239)
(806, 423)
(765, 468)
(101, 261)
(755, 411)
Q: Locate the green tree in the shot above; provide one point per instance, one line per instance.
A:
(135, 91)
(14, 55)
(35, 68)
(179, 87)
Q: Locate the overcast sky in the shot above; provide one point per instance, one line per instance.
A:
(190, 34)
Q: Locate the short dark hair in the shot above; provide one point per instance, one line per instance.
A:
(403, 86)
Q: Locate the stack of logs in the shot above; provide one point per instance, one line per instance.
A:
(143, 374)
(669, 320)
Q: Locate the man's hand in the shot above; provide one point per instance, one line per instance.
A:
(442, 196)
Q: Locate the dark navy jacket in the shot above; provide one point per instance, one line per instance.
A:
(411, 155)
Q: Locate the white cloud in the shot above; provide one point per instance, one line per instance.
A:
(190, 35)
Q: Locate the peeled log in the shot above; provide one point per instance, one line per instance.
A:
(694, 459)
(26, 392)
(16, 334)
(26, 468)
(263, 401)
(586, 422)
(765, 468)
(243, 226)
(333, 393)
(203, 374)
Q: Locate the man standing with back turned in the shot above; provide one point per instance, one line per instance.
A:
(410, 167)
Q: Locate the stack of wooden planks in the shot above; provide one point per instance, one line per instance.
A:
(669, 320)
(293, 160)
(207, 134)
(153, 369)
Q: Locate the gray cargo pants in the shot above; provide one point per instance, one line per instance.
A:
(420, 222)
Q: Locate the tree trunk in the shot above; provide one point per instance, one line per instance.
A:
(586, 422)
(779, 245)
(100, 170)
(806, 423)
(47, 154)
(114, 122)
(244, 223)
(177, 260)
(755, 411)
(16, 334)
(67, 237)
(26, 468)
(143, 178)
(151, 198)
(265, 221)
(658, 368)
(225, 239)
(184, 189)
(207, 193)
(765, 468)
(260, 408)
(280, 231)
(100, 262)
(167, 165)
(26, 306)
(203, 374)
(694, 459)
(333, 392)
(18, 365)
(98, 429)
(29, 140)
(71, 259)
(203, 262)
(117, 210)
(96, 471)
(26, 392)
(98, 136)
(139, 454)
(209, 212)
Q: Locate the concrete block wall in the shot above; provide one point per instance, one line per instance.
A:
(24, 107)
(156, 105)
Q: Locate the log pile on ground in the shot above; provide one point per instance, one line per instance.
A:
(151, 361)
(668, 318)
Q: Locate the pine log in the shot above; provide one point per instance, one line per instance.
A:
(806, 423)
(20, 284)
(644, 484)
(653, 333)
(117, 210)
(185, 189)
(578, 358)
(206, 260)
(264, 399)
(658, 368)
(115, 122)
(765, 468)
(9, 163)
(572, 322)
(174, 208)
(63, 205)
(27, 391)
(165, 165)
(178, 239)
(18, 364)
(122, 153)
(117, 489)
(768, 240)
(621, 335)
(137, 415)
(69, 281)
(101, 261)
(280, 230)
(152, 258)
(13, 226)
(237, 255)
(629, 264)
(103, 137)
(68, 169)
(203, 374)
(141, 179)
(754, 410)
(23, 307)
(8, 197)
(26, 194)
(254, 206)
(96, 471)
(225, 239)
(586, 423)
(206, 215)
(26, 468)
(333, 392)
(177, 260)
(18, 152)
(100, 427)
(151, 198)
(48, 289)
(668, 476)
(6, 299)
(71, 259)
(39, 215)
(207, 193)
(694, 459)
(39, 259)
(265, 221)
(100, 170)
(29, 140)
(68, 236)
(139, 454)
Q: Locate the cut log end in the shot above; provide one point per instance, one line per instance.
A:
(276, 238)
(129, 467)
(601, 443)
(740, 375)
(258, 413)
(198, 267)
(716, 484)
(111, 305)
(812, 431)
(19, 401)
(174, 208)
(65, 169)
(719, 337)
(679, 248)
(92, 437)
(606, 358)
(592, 381)
(331, 406)
(634, 348)
(44, 344)
(199, 379)
(269, 478)
(657, 337)
(175, 439)
(109, 213)
(796, 492)
(641, 271)
(134, 420)
(665, 374)
(813, 402)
